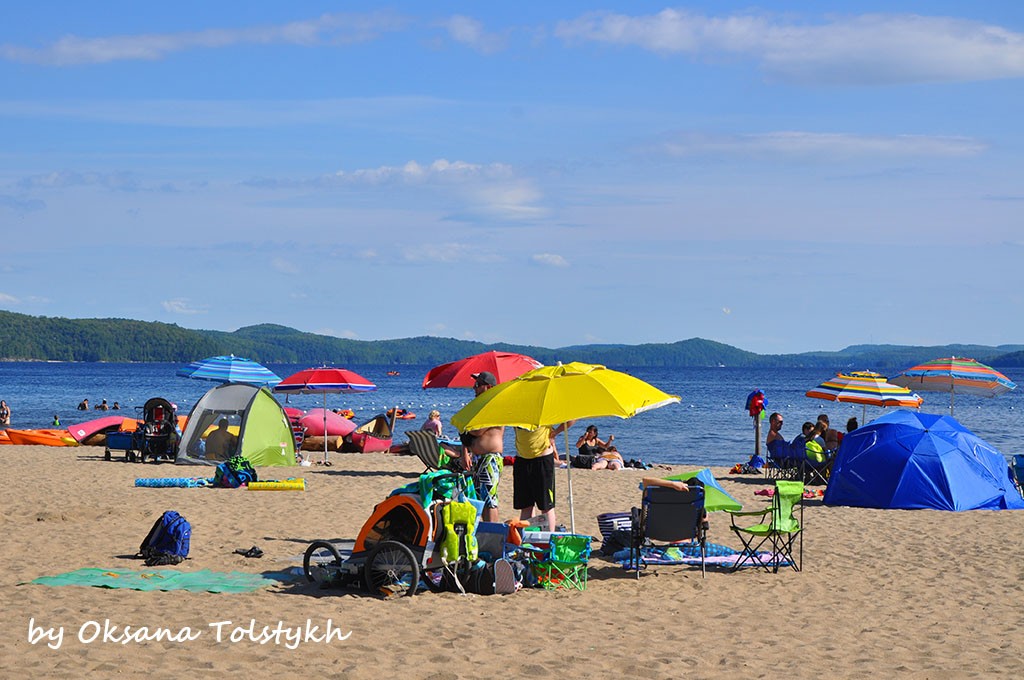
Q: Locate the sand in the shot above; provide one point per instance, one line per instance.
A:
(883, 593)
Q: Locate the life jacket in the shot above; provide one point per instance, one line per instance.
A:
(459, 521)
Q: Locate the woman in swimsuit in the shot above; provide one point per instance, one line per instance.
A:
(595, 453)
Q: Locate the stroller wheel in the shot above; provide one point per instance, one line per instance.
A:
(319, 557)
(391, 570)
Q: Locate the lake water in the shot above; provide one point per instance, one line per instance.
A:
(709, 427)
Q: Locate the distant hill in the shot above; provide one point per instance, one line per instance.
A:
(29, 338)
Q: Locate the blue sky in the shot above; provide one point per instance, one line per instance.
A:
(783, 178)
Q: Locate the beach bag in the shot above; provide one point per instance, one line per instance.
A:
(167, 541)
(234, 472)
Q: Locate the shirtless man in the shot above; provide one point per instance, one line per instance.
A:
(775, 428)
(482, 454)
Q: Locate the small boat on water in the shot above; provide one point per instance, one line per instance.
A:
(393, 373)
(375, 435)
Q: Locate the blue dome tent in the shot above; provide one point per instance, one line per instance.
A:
(911, 460)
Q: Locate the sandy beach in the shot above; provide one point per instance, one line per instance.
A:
(920, 594)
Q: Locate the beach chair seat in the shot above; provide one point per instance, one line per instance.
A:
(426, 447)
(668, 516)
(778, 530)
(1017, 472)
(563, 563)
(781, 463)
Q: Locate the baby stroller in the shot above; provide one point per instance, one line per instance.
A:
(156, 436)
(408, 540)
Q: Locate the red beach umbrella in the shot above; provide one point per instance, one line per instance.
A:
(504, 365)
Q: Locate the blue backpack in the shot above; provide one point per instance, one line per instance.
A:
(167, 542)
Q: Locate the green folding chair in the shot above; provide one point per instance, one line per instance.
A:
(779, 534)
(563, 564)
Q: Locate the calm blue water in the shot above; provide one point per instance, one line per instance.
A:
(710, 427)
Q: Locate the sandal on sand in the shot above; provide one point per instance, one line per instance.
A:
(251, 552)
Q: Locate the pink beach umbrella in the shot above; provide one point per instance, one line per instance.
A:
(324, 380)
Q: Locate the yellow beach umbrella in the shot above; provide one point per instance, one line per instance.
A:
(552, 395)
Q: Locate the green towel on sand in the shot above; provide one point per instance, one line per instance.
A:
(163, 579)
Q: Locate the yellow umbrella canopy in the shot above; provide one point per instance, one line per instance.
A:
(555, 394)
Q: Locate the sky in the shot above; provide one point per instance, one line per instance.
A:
(784, 177)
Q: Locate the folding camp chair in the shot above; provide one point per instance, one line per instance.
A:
(781, 464)
(779, 534)
(425, 446)
(817, 472)
(1017, 472)
(668, 516)
(563, 564)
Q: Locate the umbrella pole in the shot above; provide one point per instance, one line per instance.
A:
(952, 391)
(325, 428)
(568, 475)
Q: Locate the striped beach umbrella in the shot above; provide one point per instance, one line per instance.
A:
(866, 388)
(956, 375)
(230, 369)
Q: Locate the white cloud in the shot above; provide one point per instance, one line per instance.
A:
(9, 299)
(440, 252)
(820, 144)
(470, 32)
(181, 306)
(440, 170)
(329, 29)
(870, 48)
(726, 310)
(285, 266)
(550, 260)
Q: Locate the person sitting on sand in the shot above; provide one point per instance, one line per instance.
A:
(596, 454)
(102, 406)
(221, 443)
(83, 405)
(433, 423)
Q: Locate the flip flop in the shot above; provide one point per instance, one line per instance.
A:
(251, 552)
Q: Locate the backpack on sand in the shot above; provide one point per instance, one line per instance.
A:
(168, 541)
(234, 472)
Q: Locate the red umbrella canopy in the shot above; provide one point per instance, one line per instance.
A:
(504, 365)
(323, 380)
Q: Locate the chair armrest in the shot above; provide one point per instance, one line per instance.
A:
(748, 513)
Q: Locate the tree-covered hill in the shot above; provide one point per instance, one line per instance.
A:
(31, 338)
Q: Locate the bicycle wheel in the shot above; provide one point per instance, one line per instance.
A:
(391, 570)
(319, 557)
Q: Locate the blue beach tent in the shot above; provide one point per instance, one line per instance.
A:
(909, 460)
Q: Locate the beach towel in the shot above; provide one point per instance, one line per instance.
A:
(166, 579)
(174, 482)
(689, 553)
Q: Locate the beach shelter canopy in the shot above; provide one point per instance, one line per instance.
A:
(911, 460)
(715, 497)
(956, 376)
(230, 369)
(503, 365)
(254, 416)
